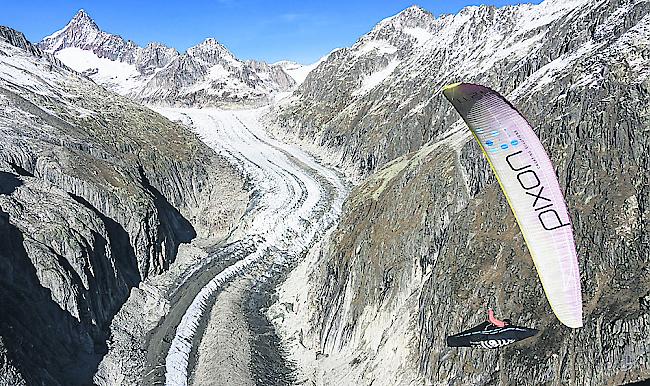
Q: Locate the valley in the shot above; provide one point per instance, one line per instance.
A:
(191, 218)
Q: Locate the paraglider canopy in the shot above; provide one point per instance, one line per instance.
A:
(528, 180)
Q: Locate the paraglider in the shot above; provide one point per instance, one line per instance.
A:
(491, 334)
(527, 178)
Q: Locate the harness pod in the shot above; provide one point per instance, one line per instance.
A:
(486, 335)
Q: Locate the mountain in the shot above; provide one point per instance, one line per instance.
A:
(379, 99)
(426, 242)
(206, 75)
(296, 70)
(97, 193)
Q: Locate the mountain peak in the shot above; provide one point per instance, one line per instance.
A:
(82, 19)
(415, 9)
(413, 16)
(80, 27)
(210, 50)
(414, 13)
(209, 43)
(81, 13)
(413, 24)
(15, 38)
(206, 73)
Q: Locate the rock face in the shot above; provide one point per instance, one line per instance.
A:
(379, 98)
(427, 242)
(96, 194)
(206, 75)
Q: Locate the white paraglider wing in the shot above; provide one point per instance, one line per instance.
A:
(528, 181)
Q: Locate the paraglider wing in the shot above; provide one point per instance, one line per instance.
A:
(530, 185)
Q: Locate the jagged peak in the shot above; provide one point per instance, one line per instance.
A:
(210, 46)
(414, 10)
(409, 18)
(410, 15)
(18, 39)
(477, 9)
(12, 36)
(414, 21)
(81, 19)
(157, 46)
(209, 43)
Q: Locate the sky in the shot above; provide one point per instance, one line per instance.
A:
(272, 30)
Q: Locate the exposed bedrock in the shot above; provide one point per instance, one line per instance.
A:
(380, 98)
(96, 194)
(427, 242)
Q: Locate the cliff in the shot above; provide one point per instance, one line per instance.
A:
(96, 194)
(427, 242)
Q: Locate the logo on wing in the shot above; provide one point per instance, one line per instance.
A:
(530, 182)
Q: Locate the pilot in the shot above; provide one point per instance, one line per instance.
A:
(496, 322)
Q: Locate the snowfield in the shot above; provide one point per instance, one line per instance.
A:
(120, 76)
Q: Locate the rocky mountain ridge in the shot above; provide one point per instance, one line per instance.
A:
(97, 194)
(378, 99)
(207, 74)
(426, 243)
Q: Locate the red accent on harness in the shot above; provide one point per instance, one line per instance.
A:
(494, 320)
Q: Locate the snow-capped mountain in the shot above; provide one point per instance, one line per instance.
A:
(426, 242)
(296, 70)
(97, 192)
(207, 74)
(378, 99)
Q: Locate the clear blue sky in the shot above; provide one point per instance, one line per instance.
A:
(268, 30)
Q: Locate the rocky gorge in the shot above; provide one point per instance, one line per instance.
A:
(426, 243)
(189, 245)
(98, 193)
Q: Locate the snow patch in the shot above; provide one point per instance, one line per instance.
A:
(123, 77)
(299, 72)
(548, 73)
(374, 46)
(218, 72)
(420, 34)
(371, 81)
(547, 12)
